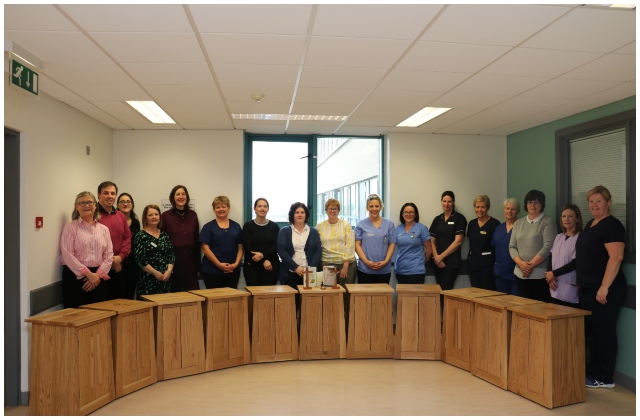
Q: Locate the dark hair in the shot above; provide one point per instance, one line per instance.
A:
(453, 197)
(576, 210)
(173, 193)
(144, 215)
(535, 195)
(132, 214)
(255, 203)
(417, 218)
(107, 184)
(295, 206)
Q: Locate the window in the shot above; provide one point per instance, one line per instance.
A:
(600, 152)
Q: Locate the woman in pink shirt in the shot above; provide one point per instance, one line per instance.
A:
(86, 254)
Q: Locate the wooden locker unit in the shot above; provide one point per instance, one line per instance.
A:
(418, 334)
(370, 321)
(322, 329)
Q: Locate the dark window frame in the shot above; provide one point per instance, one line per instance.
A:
(626, 120)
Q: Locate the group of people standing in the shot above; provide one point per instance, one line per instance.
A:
(108, 253)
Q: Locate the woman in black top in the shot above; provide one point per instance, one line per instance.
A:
(602, 285)
(259, 240)
(481, 256)
(447, 232)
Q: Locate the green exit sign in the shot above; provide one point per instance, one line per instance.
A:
(23, 77)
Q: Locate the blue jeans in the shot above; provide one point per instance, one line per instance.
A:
(507, 286)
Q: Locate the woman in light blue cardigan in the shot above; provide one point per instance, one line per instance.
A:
(531, 241)
(298, 246)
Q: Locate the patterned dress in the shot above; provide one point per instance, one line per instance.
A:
(157, 252)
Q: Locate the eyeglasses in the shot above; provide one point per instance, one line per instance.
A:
(409, 213)
(332, 209)
(533, 202)
(86, 203)
(124, 202)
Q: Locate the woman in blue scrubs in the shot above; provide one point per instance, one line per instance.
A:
(413, 246)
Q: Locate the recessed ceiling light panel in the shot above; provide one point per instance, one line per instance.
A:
(422, 116)
(285, 117)
(151, 111)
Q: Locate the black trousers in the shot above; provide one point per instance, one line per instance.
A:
(410, 278)
(131, 274)
(563, 303)
(482, 278)
(72, 294)
(536, 289)
(117, 285)
(446, 278)
(600, 329)
(256, 275)
(216, 281)
(364, 278)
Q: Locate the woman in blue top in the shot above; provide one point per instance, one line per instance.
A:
(504, 265)
(221, 244)
(413, 246)
(375, 242)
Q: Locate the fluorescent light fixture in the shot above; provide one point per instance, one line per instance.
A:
(285, 117)
(151, 111)
(422, 116)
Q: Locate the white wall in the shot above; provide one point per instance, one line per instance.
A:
(54, 168)
(149, 163)
(420, 167)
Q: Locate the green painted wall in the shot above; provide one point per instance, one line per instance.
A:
(531, 160)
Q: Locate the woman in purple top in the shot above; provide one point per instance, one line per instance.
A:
(562, 280)
(182, 226)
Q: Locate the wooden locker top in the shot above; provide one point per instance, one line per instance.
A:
(369, 289)
(221, 293)
(120, 306)
(504, 301)
(470, 292)
(418, 289)
(546, 311)
(271, 290)
(172, 298)
(71, 317)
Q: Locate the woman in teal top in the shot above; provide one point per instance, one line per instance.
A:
(413, 246)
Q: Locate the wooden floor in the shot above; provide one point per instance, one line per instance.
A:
(346, 387)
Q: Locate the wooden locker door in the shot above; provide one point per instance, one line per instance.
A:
(313, 324)
(519, 353)
(171, 338)
(537, 347)
(129, 362)
(95, 369)
(410, 324)
(428, 324)
(362, 323)
(331, 322)
(220, 326)
(379, 337)
(283, 320)
(146, 344)
(236, 329)
(189, 335)
(487, 339)
(267, 327)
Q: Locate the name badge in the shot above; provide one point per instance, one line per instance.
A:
(486, 253)
(482, 232)
(154, 245)
(450, 223)
(371, 234)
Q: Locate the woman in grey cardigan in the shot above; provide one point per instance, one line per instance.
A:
(530, 246)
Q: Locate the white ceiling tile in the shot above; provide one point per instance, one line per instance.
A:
(422, 80)
(444, 120)
(262, 126)
(170, 73)
(613, 67)
(183, 92)
(35, 17)
(569, 88)
(534, 62)
(374, 121)
(521, 107)
(261, 108)
(134, 120)
(93, 92)
(211, 105)
(306, 127)
(150, 47)
(322, 109)
(57, 46)
(271, 93)
(254, 49)
(489, 84)
(283, 19)
(371, 110)
(459, 58)
(500, 24)
(201, 118)
(614, 94)
(340, 77)
(466, 100)
(100, 73)
(588, 30)
(627, 49)
(129, 17)
(113, 107)
(255, 75)
(355, 52)
(330, 96)
(392, 98)
(209, 126)
(354, 130)
(373, 20)
(474, 126)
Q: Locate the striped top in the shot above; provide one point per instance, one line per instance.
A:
(83, 245)
(337, 240)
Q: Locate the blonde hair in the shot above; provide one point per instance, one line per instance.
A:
(221, 199)
(482, 199)
(603, 191)
(513, 202)
(372, 197)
